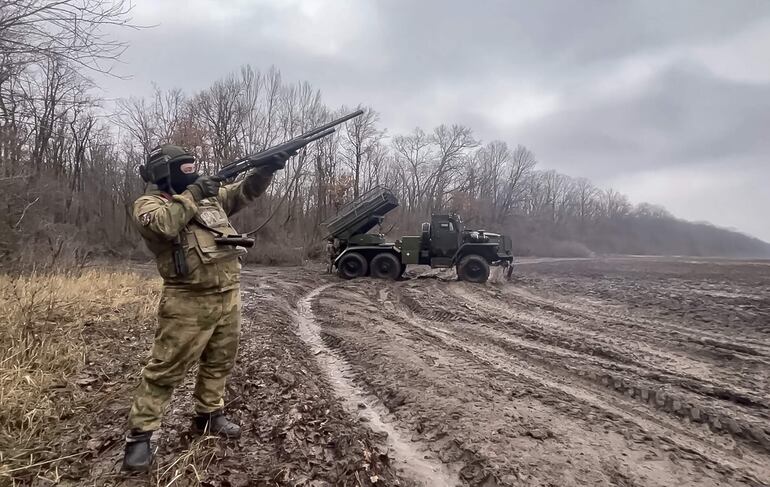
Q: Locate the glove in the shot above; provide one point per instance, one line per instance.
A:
(204, 187)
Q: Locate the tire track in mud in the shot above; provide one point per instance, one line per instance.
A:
(739, 413)
(411, 458)
(690, 292)
(545, 367)
(529, 387)
(631, 415)
(589, 336)
(599, 322)
(545, 403)
(747, 347)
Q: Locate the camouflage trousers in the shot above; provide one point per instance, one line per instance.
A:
(191, 327)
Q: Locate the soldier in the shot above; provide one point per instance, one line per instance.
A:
(330, 255)
(199, 311)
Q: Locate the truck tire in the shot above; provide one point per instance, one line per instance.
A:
(352, 265)
(473, 268)
(385, 266)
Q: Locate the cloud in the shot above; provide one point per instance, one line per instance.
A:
(742, 57)
(683, 115)
(620, 92)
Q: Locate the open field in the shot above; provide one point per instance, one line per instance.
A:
(626, 372)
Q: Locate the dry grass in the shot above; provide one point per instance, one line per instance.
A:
(189, 466)
(47, 326)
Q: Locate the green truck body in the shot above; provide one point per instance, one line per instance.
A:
(443, 242)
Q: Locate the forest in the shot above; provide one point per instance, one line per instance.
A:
(69, 160)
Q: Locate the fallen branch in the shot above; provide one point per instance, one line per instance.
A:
(18, 469)
(24, 212)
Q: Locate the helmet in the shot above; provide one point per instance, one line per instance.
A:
(158, 162)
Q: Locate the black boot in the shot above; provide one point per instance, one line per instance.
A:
(217, 424)
(138, 455)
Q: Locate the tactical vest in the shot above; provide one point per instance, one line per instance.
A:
(211, 221)
(210, 266)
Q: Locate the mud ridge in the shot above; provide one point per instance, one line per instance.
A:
(615, 408)
(737, 419)
(641, 363)
(410, 457)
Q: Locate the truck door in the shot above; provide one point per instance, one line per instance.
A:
(443, 240)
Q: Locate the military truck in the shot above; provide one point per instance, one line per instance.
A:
(443, 242)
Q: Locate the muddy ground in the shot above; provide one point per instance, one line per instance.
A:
(623, 372)
(610, 372)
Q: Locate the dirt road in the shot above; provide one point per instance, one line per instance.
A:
(616, 372)
(621, 372)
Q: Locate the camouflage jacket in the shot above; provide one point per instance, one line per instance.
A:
(161, 217)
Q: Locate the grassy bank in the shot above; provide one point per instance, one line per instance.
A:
(60, 334)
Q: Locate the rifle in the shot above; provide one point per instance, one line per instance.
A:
(272, 156)
(276, 154)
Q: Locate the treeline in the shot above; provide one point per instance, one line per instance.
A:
(68, 163)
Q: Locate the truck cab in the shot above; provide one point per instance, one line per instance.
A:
(444, 241)
(437, 243)
(444, 238)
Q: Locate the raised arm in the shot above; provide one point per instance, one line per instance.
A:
(161, 218)
(234, 197)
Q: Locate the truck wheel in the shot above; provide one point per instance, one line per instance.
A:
(352, 265)
(473, 268)
(386, 266)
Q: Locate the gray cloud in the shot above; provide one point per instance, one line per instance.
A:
(643, 95)
(684, 115)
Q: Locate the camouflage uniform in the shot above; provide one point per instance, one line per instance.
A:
(199, 313)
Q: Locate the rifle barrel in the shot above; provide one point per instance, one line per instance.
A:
(264, 157)
(319, 135)
(333, 123)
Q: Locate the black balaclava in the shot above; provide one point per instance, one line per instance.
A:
(179, 180)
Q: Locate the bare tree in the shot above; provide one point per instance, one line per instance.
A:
(378, 158)
(647, 210)
(272, 87)
(137, 117)
(168, 110)
(452, 144)
(586, 200)
(70, 30)
(413, 156)
(361, 139)
(615, 204)
(513, 189)
(219, 108)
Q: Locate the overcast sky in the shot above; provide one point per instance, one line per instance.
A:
(666, 101)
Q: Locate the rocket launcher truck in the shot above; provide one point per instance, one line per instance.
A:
(443, 242)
